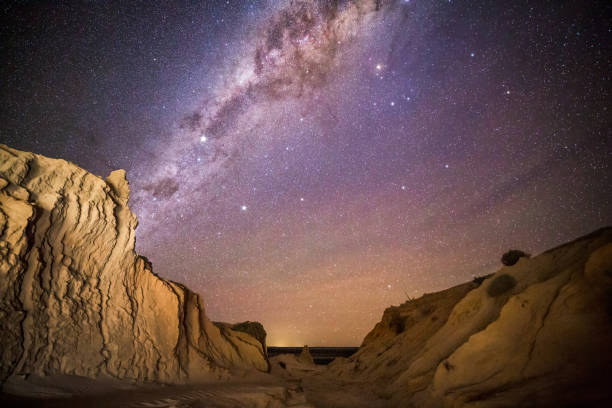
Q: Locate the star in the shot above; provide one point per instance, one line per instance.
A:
(243, 208)
(203, 139)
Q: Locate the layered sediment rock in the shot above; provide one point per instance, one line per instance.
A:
(76, 299)
(537, 333)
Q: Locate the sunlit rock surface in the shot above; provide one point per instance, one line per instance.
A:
(76, 299)
(537, 333)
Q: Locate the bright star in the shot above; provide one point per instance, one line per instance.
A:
(301, 198)
(244, 208)
(203, 139)
(378, 67)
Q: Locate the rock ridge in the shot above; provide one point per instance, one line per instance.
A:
(533, 334)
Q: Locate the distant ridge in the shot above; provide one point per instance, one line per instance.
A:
(320, 355)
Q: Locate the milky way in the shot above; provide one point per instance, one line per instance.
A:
(308, 163)
(295, 51)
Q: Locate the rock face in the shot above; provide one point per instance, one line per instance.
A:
(537, 333)
(76, 299)
(254, 329)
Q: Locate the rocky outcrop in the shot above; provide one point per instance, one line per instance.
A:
(400, 336)
(537, 333)
(305, 357)
(76, 299)
(255, 329)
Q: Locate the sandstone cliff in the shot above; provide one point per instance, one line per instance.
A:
(76, 299)
(537, 333)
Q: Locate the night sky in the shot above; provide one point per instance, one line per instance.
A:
(309, 163)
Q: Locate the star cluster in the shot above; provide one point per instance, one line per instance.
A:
(307, 163)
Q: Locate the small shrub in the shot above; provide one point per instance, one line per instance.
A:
(408, 298)
(501, 285)
(512, 256)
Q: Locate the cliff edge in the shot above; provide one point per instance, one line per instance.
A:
(76, 299)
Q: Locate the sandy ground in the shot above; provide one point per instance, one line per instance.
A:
(295, 385)
(323, 389)
(253, 390)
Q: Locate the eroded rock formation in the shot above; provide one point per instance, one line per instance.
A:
(76, 299)
(537, 333)
(305, 357)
